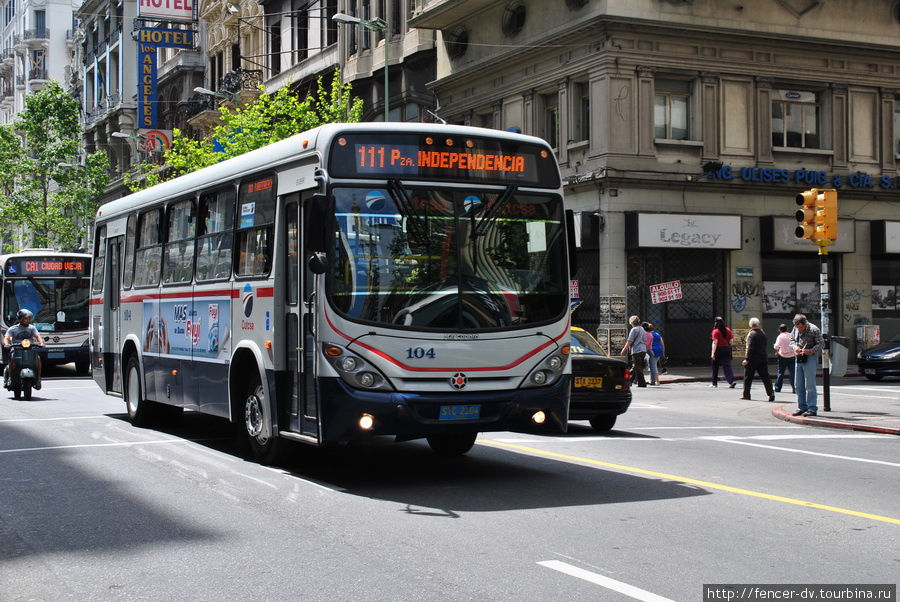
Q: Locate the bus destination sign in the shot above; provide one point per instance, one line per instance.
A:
(45, 266)
(463, 158)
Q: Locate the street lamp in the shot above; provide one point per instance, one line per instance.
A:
(232, 96)
(376, 24)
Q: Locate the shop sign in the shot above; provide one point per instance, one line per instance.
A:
(784, 239)
(666, 291)
(744, 272)
(688, 231)
(573, 288)
(804, 177)
(891, 237)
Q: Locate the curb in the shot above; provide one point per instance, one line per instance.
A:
(785, 415)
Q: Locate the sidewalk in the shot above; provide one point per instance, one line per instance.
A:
(876, 412)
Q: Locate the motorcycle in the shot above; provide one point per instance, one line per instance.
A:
(20, 374)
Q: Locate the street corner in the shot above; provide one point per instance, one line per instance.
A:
(785, 412)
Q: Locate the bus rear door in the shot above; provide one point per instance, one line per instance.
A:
(111, 337)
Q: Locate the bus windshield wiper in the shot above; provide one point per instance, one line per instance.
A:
(494, 209)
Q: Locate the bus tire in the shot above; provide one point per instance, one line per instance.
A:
(452, 445)
(140, 411)
(249, 424)
(82, 368)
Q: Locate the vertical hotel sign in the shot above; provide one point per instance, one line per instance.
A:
(149, 39)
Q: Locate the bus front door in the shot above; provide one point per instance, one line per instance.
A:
(300, 343)
(112, 356)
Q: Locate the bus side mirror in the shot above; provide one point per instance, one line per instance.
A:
(570, 237)
(318, 263)
(318, 224)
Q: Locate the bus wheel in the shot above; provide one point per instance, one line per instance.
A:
(451, 445)
(265, 450)
(140, 411)
(82, 368)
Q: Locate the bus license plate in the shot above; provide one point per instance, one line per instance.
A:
(589, 382)
(460, 412)
(56, 355)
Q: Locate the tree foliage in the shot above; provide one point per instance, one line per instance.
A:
(268, 119)
(48, 198)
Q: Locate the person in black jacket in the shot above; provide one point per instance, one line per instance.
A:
(757, 361)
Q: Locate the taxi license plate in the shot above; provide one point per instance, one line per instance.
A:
(589, 382)
(469, 412)
(869, 371)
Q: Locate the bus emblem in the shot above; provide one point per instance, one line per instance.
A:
(247, 299)
(458, 380)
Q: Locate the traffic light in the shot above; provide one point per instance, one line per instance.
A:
(827, 216)
(806, 217)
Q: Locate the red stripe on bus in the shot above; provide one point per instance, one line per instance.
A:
(400, 364)
(229, 292)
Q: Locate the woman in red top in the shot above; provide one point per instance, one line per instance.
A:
(721, 352)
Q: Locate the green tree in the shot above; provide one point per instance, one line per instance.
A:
(268, 119)
(45, 203)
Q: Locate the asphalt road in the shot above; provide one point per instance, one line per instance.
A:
(693, 487)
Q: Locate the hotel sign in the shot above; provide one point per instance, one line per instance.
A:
(149, 39)
(166, 10)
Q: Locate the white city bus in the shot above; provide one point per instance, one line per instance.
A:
(352, 281)
(54, 286)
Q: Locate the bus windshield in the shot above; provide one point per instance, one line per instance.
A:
(447, 259)
(58, 304)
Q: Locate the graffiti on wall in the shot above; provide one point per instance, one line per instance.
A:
(742, 292)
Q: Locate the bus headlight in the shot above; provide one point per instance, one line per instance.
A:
(354, 370)
(549, 370)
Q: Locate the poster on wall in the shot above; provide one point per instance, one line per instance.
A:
(612, 310)
(884, 297)
(779, 297)
(808, 298)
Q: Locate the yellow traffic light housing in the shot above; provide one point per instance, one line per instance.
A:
(826, 216)
(806, 217)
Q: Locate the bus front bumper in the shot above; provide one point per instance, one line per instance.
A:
(415, 415)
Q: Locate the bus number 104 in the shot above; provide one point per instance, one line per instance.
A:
(417, 353)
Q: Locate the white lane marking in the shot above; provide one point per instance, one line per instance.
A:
(802, 451)
(570, 438)
(577, 439)
(617, 586)
(892, 397)
(869, 388)
(87, 445)
(51, 419)
(659, 428)
(805, 436)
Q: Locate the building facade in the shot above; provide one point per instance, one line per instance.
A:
(684, 131)
(37, 46)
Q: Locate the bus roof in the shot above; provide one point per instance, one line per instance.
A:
(284, 151)
(43, 253)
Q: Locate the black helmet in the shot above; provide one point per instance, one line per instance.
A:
(23, 313)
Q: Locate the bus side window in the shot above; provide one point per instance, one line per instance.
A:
(149, 250)
(293, 252)
(128, 260)
(178, 258)
(99, 259)
(256, 216)
(214, 235)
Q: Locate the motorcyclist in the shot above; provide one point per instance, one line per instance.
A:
(25, 330)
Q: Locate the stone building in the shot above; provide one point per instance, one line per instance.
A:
(684, 130)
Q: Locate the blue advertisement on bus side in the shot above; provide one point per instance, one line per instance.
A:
(187, 329)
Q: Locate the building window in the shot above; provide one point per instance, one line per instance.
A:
(897, 127)
(795, 119)
(583, 113)
(551, 119)
(275, 46)
(671, 110)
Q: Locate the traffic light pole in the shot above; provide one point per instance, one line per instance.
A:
(825, 312)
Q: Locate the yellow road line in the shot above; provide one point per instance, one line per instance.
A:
(707, 484)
